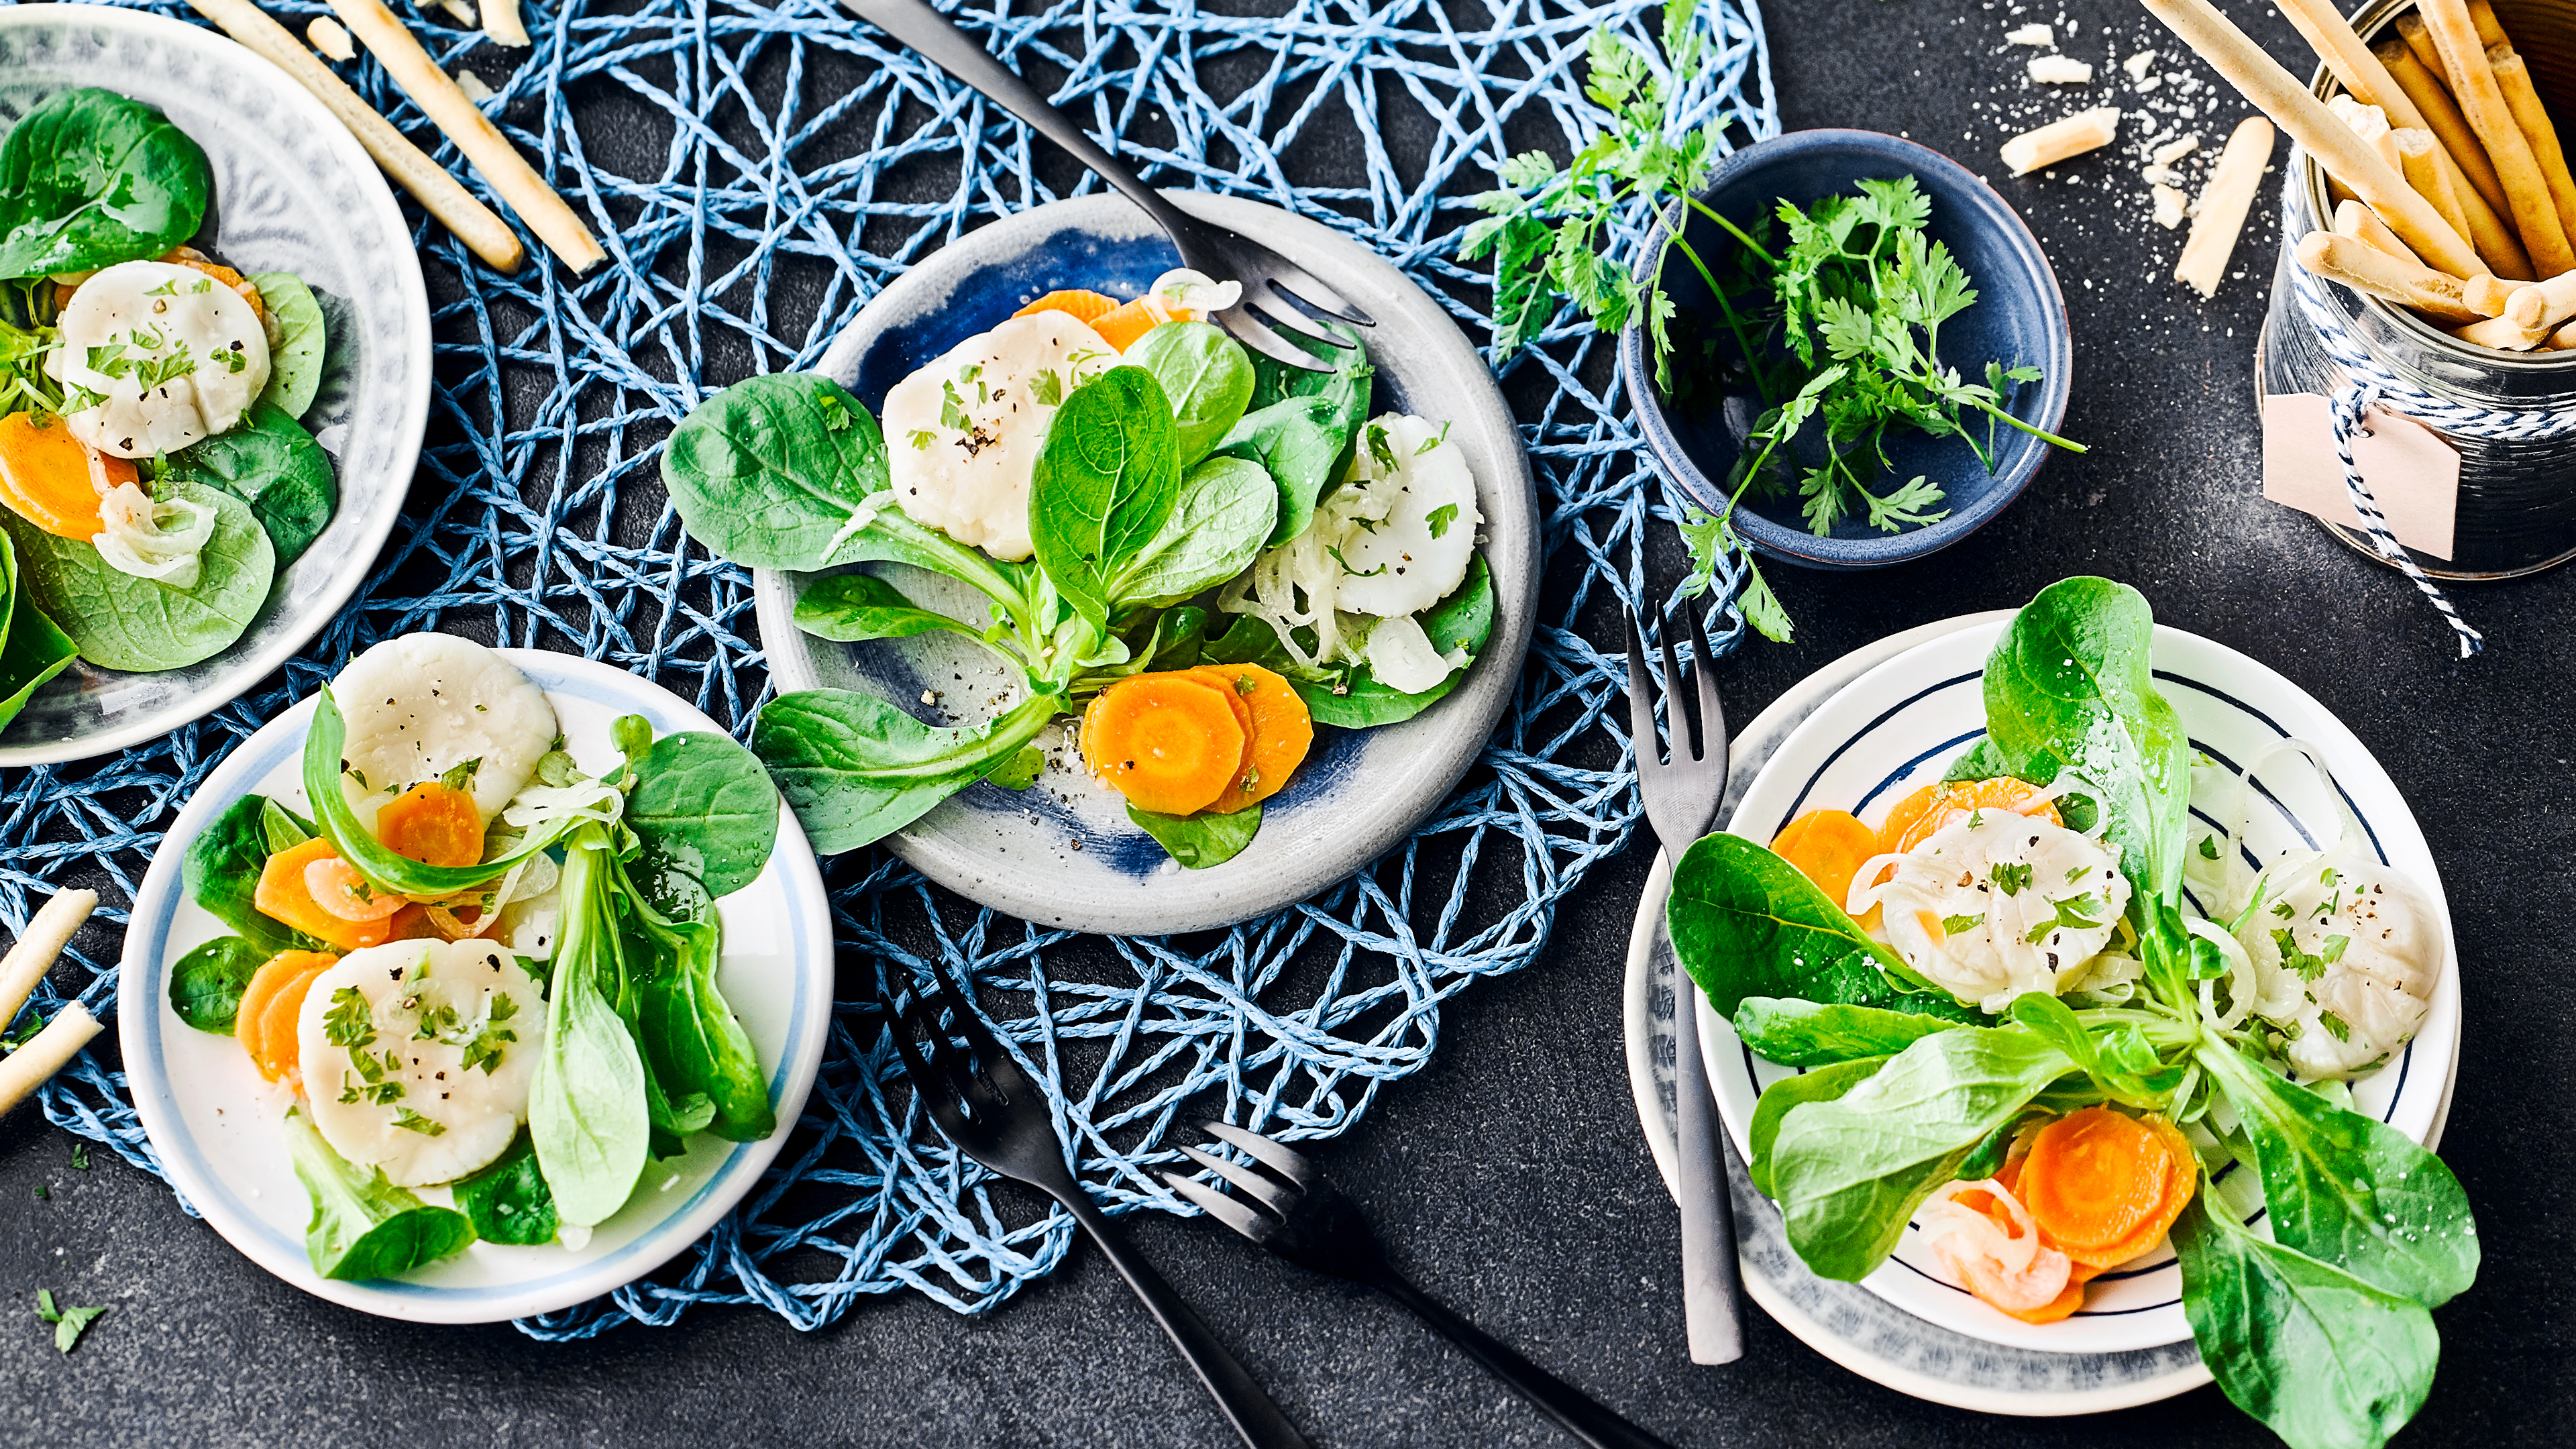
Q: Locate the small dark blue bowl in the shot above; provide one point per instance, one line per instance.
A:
(2019, 316)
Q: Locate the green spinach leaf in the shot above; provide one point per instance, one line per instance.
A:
(691, 1037)
(1798, 1033)
(1849, 1172)
(772, 471)
(363, 1226)
(295, 363)
(1204, 373)
(221, 870)
(1106, 480)
(1464, 620)
(703, 804)
(2116, 1056)
(89, 179)
(1824, 1084)
(122, 622)
(856, 769)
(2070, 687)
(1201, 840)
(508, 1202)
(1300, 442)
(2318, 1356)
(273, 465)
(852, 608)
(2350, 1190)
(1745, 923)
(587, 1109)
(206, 983)
(34, 651)
(1215, 532)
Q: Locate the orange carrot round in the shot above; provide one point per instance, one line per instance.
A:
(1282, 731)
(1130, 321)
(1829, 847)
(270, 1002)
(1075, 302)
(434, 824)
(2094, 1178)
(1170, 743)
(1945, 805)
(52, 479)
(285, 894)
(2180, 1183)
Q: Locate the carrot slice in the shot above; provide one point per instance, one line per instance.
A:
(1242, 708)
(1829, 847)
(284, 894)
(434, 824)
(2065, 1303)
(265, 1025)
(52, 479)
(1129, 321)
(2180, 1183)
(1282, 732)
(1168, 742)
(2094, 1177)
(1081, 305)
(1945, 805)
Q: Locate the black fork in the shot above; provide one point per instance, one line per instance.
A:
(1291, 1210)
(997, 1115)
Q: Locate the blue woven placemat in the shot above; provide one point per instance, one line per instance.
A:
(759, 171)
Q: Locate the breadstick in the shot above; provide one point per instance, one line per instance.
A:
(2366, 268)
(2513, 77)
(39, 946)
(474, 224)
(2223, 204)
(2464, 60)
(2410, 28)
(485, 148)
(2360, 223)
(2501, 334)
(2371, 83)
(2490, 30)
(2084, 131)
(501, 22)
(2490, 296)
(2544, 304)
(33, 1065)
(2442, 117)
(2564, 339)
(2345, 156)
(2415, 152)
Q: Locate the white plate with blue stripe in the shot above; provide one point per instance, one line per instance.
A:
(214, 1122)
(1865, 730)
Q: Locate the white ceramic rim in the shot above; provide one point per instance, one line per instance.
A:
(138, 1024)
(1471, 711)
(405, 278)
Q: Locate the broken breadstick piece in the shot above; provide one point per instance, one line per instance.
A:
(2410, 28)
(2544, 304)
(2084, 131)
(2490, 30)
(33, 1065)
(40, 946)
(2513, 77)
(2418, 161)
(485, 148)
(2562, 340)
(331, 38)
(2223, 204)
(443, 195)
(2490, 296)
(2501, 334)
(2345, 156)
(2442, 117)
(2464, 61)
(2171, 206)
(2362, 224)
(2059, 70)
(2365, 268)
(501, 22)
(2368, 122)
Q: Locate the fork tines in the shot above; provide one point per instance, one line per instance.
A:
(1686, 714)
(935, 1063)
(1271, 1193)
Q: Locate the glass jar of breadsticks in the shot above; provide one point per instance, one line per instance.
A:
(2500, 340)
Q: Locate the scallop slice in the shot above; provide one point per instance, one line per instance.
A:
(423, 704)
(1405, 518)
(154, 356)
(417, 1056)
(963, 432)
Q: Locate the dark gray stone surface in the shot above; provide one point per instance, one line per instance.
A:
(1510, 1175)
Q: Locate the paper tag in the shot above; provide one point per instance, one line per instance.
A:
(2413, 475)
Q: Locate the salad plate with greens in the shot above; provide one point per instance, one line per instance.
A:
(476, 986)
(214, 374)
(2082, 987)
(1096, 616)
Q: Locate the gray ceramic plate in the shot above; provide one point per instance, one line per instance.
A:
(1063, 853)
(293, 193)
(1844, 1321)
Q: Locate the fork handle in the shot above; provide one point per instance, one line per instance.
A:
(940, 40)
(1574, 1411)
(1250, 1410)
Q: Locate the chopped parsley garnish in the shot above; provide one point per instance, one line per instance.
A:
(1047, 388)
(1956, 925)
(69, 1323)
(1380, 449)
(2010, 876)
(351, 1021)
(2335, 1024)
(2209, 847)
(461, 777)
(411, 1121)
(1346, 565)
(1440, 518)
(921, 439)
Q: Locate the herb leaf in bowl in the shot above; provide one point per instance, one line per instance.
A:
(89, 179)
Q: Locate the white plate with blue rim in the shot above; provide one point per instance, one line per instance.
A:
(1863, 716)
(214, 1122)
(1064, 853)
(294, 192)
